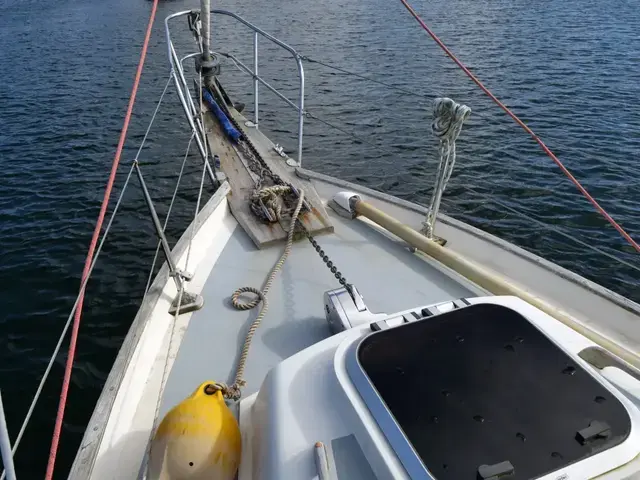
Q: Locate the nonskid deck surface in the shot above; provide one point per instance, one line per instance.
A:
(488, 406)
(386, 273)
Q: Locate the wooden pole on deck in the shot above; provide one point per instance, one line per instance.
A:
(488, 280)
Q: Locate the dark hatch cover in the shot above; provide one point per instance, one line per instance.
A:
(482, 386)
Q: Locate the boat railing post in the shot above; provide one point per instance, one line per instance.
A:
(258, 80)
(5, 445)
(255, 78)
(188, 302)
(300, 108)
(190, 110)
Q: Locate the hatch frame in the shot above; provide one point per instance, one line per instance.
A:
(398, 442)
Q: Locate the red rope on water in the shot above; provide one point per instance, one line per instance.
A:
(94, 240)
(546, 149)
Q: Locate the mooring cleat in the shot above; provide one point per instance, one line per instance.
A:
(190, 302)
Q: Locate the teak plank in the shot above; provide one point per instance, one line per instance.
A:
(241, 181)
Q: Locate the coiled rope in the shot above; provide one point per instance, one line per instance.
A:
(448, 117)
(265, 203)
(271, 194)
(544, 147)
(447, 125)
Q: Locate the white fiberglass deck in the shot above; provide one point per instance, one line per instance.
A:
(387, 275)
(205, 345)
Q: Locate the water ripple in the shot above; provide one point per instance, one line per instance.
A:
(568, 67)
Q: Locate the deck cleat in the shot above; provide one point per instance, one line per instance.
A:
(190, 302)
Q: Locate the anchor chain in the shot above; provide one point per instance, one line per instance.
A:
(267, 204)
(264, 200)
(325, 258)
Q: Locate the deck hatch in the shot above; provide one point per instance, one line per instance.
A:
(481, 385)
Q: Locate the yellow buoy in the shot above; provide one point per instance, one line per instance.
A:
(198, 438)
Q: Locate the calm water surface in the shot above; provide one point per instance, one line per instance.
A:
(570, 68)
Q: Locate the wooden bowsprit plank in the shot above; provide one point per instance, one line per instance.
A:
(242, 182)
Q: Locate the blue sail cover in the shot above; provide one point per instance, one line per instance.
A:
(227, 126)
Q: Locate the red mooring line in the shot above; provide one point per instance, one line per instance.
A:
(94, 240)
(546, 149)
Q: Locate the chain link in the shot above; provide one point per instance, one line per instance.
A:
(264, 173)
(325, 258)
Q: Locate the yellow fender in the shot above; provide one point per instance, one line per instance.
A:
(197, 439)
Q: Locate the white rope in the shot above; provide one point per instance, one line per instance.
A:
(448, 117)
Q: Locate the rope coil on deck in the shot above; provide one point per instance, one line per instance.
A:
(272, 194)
(266, 203)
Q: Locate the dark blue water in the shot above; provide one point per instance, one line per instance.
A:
(570, 68)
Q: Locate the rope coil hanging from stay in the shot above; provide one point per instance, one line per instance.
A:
(448, 118)
(524, 126)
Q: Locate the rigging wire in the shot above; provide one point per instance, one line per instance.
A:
(349, 133)
(538, 140)
(63, 334)
(364, 77)
(94, 240)
(313, 116)
(553, 228)
(585, 193)
(391, 86)
(488, 198)
(491, 199)
(56, 350)
(166, 220)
